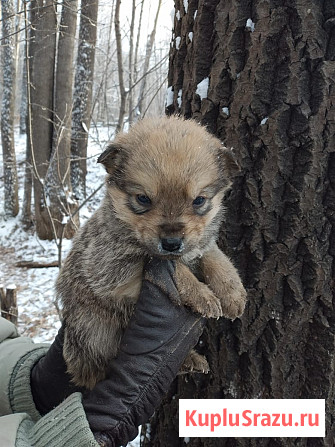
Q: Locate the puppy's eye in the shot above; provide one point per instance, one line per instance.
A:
(143, 200)
(199, 201)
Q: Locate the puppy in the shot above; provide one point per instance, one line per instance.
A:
(165, 184)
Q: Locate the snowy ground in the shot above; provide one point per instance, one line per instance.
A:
(35, 287)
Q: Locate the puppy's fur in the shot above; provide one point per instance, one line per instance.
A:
(155, 174)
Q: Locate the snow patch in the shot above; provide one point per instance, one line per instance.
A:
(178, 15)
(179, 97)
(178, 39)
(202, 88)
(225, 110)
(190, 36)
(169, 97)
(250, 24)
(264, 120)
(195, 14)
(185, 5)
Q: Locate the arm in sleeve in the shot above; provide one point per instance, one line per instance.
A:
(21, 424)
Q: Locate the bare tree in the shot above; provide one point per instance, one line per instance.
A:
(7, 110)
(131, 64)
(262, 79)
(139, 30)
(148, 52)
(123, 92)
(23, 91)
(82, 101)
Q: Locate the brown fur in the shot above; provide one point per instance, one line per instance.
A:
(171, 161)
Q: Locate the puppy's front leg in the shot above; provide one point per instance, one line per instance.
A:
(196, 294)
(223, 279)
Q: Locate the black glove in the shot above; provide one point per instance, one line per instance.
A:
(50, 383)
(155, 344)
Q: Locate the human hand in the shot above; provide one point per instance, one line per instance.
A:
(159, 337)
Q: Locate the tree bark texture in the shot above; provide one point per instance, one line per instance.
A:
(42, 48)
(270, 96)
(11, 203)
(82, 101)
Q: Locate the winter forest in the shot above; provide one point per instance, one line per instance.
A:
(260, 75)
(71, 72)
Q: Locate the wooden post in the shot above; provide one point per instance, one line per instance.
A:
(8, 303)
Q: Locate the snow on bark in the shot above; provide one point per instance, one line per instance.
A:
(202, 88)
(7, 109)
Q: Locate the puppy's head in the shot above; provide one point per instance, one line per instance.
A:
(167, 178)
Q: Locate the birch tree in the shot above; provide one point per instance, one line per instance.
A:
(82, 104)
(11, 204)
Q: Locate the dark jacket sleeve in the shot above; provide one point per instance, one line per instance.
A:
(155, 344)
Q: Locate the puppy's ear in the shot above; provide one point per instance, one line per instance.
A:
(228, 162)
(111, 157)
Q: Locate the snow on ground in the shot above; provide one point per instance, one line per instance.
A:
(38, 316)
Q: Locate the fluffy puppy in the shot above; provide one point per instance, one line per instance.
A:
(165, 184)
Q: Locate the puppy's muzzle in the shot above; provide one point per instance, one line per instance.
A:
(171, 245)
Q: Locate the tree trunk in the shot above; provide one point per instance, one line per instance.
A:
(42, 47)
(131, 65)
(23, 92)
(57, 182)
(148, 52)
(27, 218)
(7, 110)
(81, 114)
(269, 68)
(123, 92)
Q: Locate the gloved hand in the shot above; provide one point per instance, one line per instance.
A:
(50, 383)
(160, 335)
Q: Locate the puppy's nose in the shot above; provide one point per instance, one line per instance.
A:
(172, 244)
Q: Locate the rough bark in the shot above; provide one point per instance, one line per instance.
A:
(271, 97)
(42, 47)
(11, 203)
(57, 182)
(82, 104)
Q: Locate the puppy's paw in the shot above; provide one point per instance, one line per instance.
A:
(206, 303)
(196, 295)
(194, 362)
(234, 300)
